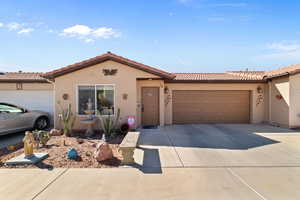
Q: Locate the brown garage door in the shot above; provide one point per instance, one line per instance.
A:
(202, 106)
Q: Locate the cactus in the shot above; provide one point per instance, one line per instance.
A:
(67, 119)
(109, 124)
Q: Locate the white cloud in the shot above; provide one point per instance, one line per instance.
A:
(14, 26)
(26, 31)
(283, 55)
(77, 30)
(284, 46)
(216, 19)
(88, 34)
(229, 4)
(1, 24)
(283, 50)
(88, 40)
(105, 33)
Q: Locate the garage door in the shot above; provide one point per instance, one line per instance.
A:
(32, 100)
(201, 106)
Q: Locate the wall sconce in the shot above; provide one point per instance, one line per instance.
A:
(279, 96)
(259, 90)
(125, 96)
(166, 90)
(65, 96)
(19, 86)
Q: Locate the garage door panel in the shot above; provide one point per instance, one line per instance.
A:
(32, 100)
(200, 106)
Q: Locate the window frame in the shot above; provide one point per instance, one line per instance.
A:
(94, 85)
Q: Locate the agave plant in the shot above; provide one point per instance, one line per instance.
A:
(109, 124)
(67, 119)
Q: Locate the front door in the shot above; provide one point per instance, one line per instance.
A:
(150, 106)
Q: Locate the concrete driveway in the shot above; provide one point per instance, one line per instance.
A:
(218, 145)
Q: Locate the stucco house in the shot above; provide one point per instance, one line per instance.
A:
(156, 97)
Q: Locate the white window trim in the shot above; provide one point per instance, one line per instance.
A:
(86, 84)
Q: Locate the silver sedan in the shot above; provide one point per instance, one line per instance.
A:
(14, 119)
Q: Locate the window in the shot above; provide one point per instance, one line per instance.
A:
(9, 109)
(101, 96)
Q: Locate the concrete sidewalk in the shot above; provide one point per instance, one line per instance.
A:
(131, 184)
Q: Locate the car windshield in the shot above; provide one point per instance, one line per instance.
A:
(9, 109)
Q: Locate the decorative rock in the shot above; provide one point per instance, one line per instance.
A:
(103, 152)
(72, 153)
(23, 160)
(11, 147)
(80, 141)
(55, 132)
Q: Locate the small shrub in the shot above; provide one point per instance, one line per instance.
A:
(124, 128)
(41, 137)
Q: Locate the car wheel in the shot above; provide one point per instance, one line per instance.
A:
(41, 123)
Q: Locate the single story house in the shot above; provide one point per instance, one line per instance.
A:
(156, 97)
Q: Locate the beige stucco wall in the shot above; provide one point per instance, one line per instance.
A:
(294, 116)
(27, 86)
(125, 83)
(257, 112)
(266, 103)
(151, 83)
(279, 108)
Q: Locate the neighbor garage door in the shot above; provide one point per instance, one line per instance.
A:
(202, 106)
(30, 99)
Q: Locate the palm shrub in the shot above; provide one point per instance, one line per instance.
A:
(67, 119)
(109, 124)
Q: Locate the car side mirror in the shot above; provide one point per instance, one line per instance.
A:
(24, 110)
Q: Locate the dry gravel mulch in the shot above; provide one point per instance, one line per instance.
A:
(58, 154)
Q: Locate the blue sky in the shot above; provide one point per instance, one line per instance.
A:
(174, 35)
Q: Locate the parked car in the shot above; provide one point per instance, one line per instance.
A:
(14, 119)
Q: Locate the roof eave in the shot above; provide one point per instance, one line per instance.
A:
(215, 81)
(53, 75)
(22, 81)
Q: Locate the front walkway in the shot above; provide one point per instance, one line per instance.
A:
(179, 162)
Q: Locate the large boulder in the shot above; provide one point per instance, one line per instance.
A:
(55, 132)
(103, 152)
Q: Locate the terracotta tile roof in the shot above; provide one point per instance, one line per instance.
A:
(235, 76)
(105, 57)
(291, 69)
(227, 76)
(21, 77)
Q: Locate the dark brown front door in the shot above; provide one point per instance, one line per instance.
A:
(150, 106)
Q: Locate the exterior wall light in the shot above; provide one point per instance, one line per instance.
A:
(166, 90)
(259, 90)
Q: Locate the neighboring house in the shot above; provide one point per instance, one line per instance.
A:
(28, 90)
(156, 97)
